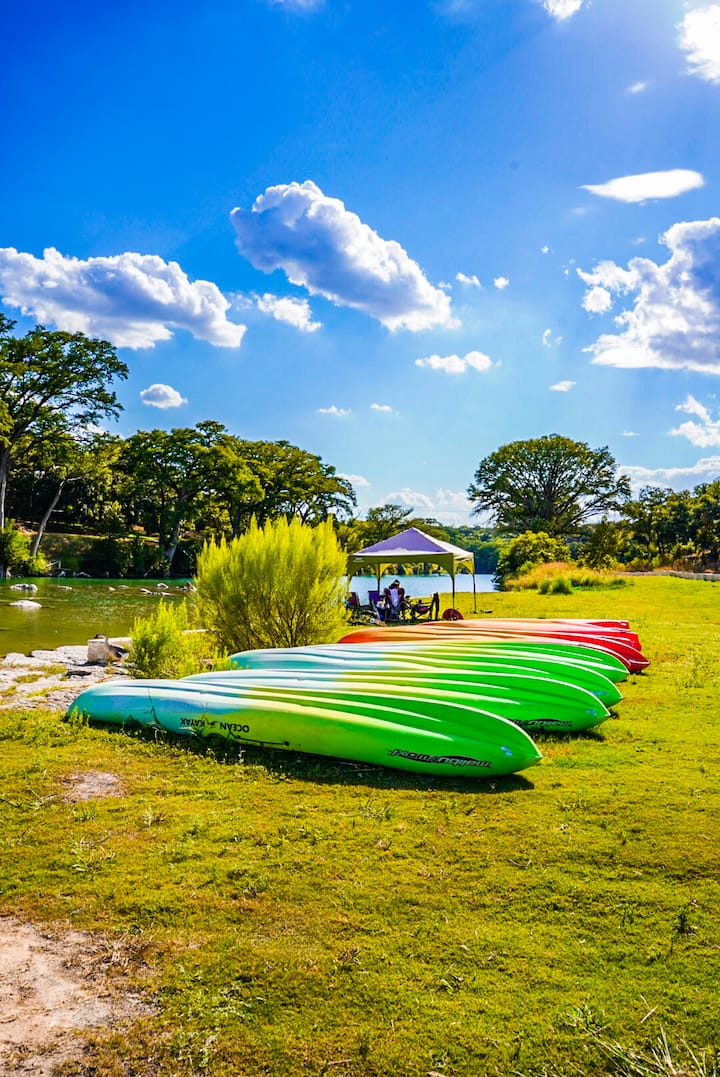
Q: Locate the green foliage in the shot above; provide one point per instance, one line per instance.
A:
(37, 565)
(51, 383)
(166, 645)
(277, 586)
(550, 484)
(529, 549)
(14, 548)
(109, 557)
(602, 546)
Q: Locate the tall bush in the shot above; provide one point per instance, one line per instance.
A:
(527, 550)
(277, 586)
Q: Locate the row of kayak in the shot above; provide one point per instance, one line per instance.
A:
(444, 698)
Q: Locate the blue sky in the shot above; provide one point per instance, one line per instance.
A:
(397, 235)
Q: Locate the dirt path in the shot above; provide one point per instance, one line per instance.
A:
(53, 986)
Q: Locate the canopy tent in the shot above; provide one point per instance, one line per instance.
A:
(413, 546)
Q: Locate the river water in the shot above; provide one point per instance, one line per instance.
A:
(73, 610)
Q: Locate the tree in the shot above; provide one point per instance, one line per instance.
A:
(279, 586)
(279, 479)
(551, 484)
(169, 473)
(706, 519)
(51, 381)
(527, 550)
(602, 545)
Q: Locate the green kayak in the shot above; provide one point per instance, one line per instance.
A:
(421, 736)
(536, 704)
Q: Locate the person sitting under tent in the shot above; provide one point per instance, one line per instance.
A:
(395, 602)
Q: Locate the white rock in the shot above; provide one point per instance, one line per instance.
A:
(26, 604)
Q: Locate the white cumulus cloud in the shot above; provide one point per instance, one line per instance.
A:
(703, 433)
(381, 407)
(295, 312)
(447, 506)
(645, 185)
(132, 300)
(356, 480)
(339, 413)
(678, 478)
(562, 386)
(162, 396)
(456, 364)
(675, 321)
(562, 9)
(700, 38)
(322, 246)
(501, 282)
(637, 87)
(597, 300)
(473, 280)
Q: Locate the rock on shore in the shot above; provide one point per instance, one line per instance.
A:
(51, 679)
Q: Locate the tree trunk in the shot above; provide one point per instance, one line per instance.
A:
(4, 469)
(44, 522)
(172, 544)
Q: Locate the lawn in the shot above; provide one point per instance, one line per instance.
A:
(290, 915)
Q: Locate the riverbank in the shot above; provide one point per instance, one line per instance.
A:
(52, 679)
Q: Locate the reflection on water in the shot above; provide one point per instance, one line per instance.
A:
(73, 610)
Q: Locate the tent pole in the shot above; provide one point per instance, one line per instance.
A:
(474, 593)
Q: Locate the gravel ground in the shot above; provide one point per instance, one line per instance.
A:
(51, 679)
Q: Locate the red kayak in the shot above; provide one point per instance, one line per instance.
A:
(623, 649)
(615, 629)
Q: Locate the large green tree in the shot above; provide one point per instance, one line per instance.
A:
(551, 484)
(286, 481)
(168, 475)
(51, 382)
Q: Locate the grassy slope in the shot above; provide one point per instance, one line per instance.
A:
(298, 916)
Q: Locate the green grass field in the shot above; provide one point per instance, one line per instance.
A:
(298, 916)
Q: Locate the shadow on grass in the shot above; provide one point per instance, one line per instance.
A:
(320, 769)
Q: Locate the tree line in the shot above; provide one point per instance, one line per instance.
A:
(152, 499)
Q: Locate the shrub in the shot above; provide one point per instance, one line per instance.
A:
(279, 586)
(555, 585)
(528, 549)
(164, 645)
(110, 557)
(543, 579)
(38, 565)
(14, 548)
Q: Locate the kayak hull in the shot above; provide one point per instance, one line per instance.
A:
(535, 704)
(456, 741)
